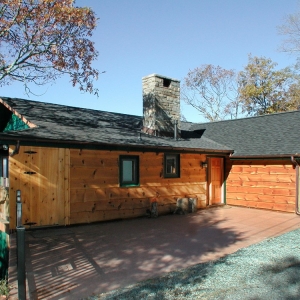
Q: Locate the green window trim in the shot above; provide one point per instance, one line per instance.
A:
(129, 170)
(171, 165)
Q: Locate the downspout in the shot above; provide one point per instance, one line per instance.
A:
(16, 151)
(296, 164)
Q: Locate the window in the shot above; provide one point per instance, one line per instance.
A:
(3, 161)
(4, 167)
(3, 171)
(129, 170)
(172, 165)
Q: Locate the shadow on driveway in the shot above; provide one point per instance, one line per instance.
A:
(78, 261)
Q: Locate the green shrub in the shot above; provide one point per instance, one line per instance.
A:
(4, 288)
(3, 255)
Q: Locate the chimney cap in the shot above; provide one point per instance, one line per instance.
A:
(160, 76)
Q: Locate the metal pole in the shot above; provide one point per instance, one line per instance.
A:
(21, 263)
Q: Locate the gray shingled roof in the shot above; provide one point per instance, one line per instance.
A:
(268, 135)
(62, 123)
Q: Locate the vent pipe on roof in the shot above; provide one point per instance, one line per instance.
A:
(175, 129)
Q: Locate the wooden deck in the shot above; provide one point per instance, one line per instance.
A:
(77, 261)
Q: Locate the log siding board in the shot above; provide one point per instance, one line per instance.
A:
(267, 184)
(45, 194)
(95, 193)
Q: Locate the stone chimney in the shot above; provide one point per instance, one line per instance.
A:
(161, 105)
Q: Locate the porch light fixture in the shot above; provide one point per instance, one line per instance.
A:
(203, 164)
(18, 196)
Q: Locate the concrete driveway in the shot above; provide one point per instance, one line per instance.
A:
(79, 261)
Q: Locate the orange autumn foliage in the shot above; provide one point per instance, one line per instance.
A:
(41, 40)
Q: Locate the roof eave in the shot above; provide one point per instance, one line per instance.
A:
(265, 156)
(79, 144)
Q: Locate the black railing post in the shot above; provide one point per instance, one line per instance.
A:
(21, 263)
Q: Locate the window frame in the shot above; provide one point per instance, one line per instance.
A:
(175, 156)
(135, 170)
(4, 163)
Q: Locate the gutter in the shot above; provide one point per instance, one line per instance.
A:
(275, 156)
(296, 165)
(104, 146)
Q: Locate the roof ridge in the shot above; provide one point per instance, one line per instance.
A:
(70, 106)
(247, 118)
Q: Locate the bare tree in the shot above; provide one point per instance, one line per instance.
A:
(212, 90)
(291, 31)
(291, 44)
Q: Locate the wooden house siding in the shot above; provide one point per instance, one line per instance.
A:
(95, 193)
(71, 186)
(268, 184)
(42, 175)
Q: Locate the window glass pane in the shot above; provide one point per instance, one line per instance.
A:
(127, 170)
(171, 165)
(5, 167)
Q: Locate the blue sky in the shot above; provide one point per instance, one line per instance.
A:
(136, 38)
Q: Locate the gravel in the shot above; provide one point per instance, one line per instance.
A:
(267, 270)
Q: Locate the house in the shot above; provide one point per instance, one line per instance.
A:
(263, 170)
(74, 165)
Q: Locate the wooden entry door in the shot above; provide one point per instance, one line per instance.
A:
(215, 180)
